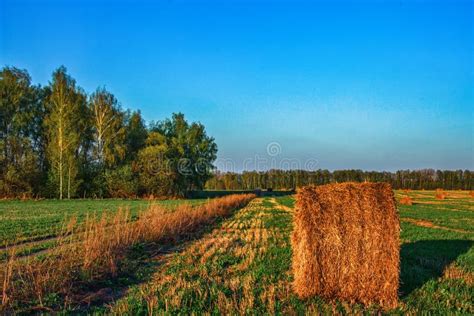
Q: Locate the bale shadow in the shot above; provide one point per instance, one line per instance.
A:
(424, 260)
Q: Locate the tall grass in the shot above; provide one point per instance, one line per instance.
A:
(99, 252)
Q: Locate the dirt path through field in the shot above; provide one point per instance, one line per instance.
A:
(27, 243)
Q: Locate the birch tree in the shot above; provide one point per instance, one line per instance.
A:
(63, 124)
(108, 128)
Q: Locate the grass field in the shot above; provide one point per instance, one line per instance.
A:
(31, 220)
(31, 226)
(242, 264)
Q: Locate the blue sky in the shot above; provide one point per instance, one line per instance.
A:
(372, 85)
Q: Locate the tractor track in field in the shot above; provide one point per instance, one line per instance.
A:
(27, 250)
(27, 244)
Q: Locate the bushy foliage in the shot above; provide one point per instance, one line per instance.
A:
(20, 133)
(121, 182)
(156, 176)
(57, 141)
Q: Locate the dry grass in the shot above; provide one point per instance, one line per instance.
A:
(454, 272)
(346, 243)
(99, 252)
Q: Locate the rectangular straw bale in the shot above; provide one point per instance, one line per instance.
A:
(406, 200)
(440, 194)
(346, 243)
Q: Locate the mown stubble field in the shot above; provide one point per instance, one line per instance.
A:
(244, 265)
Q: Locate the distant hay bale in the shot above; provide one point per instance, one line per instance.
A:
(346, 243)
(471, 193)
(406, 200)
(440, 194)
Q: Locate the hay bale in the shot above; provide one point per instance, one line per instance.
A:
(406, 200)
(440, 194)
(346, 243)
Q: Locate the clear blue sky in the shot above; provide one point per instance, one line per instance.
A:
(370, 85)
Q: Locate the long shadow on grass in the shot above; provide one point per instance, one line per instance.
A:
(424, 260)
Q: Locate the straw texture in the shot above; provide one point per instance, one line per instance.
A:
(346, 243)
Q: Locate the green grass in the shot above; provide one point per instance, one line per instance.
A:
(454, 213)
(451, 219)
(34, 220)
(288, 201)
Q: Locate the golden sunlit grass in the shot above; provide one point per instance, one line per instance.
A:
(100, 251)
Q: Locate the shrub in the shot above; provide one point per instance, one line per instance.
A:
(122, 182)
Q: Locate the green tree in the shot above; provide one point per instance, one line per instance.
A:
(122, 182)
(136, 135)
(65, 122)
(21, 113)
(191, 152)
(156, 176)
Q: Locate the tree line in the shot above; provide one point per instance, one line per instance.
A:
(428, 179)
(58, 141)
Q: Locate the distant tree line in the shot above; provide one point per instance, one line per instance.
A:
(428, 179)
(58, 141)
